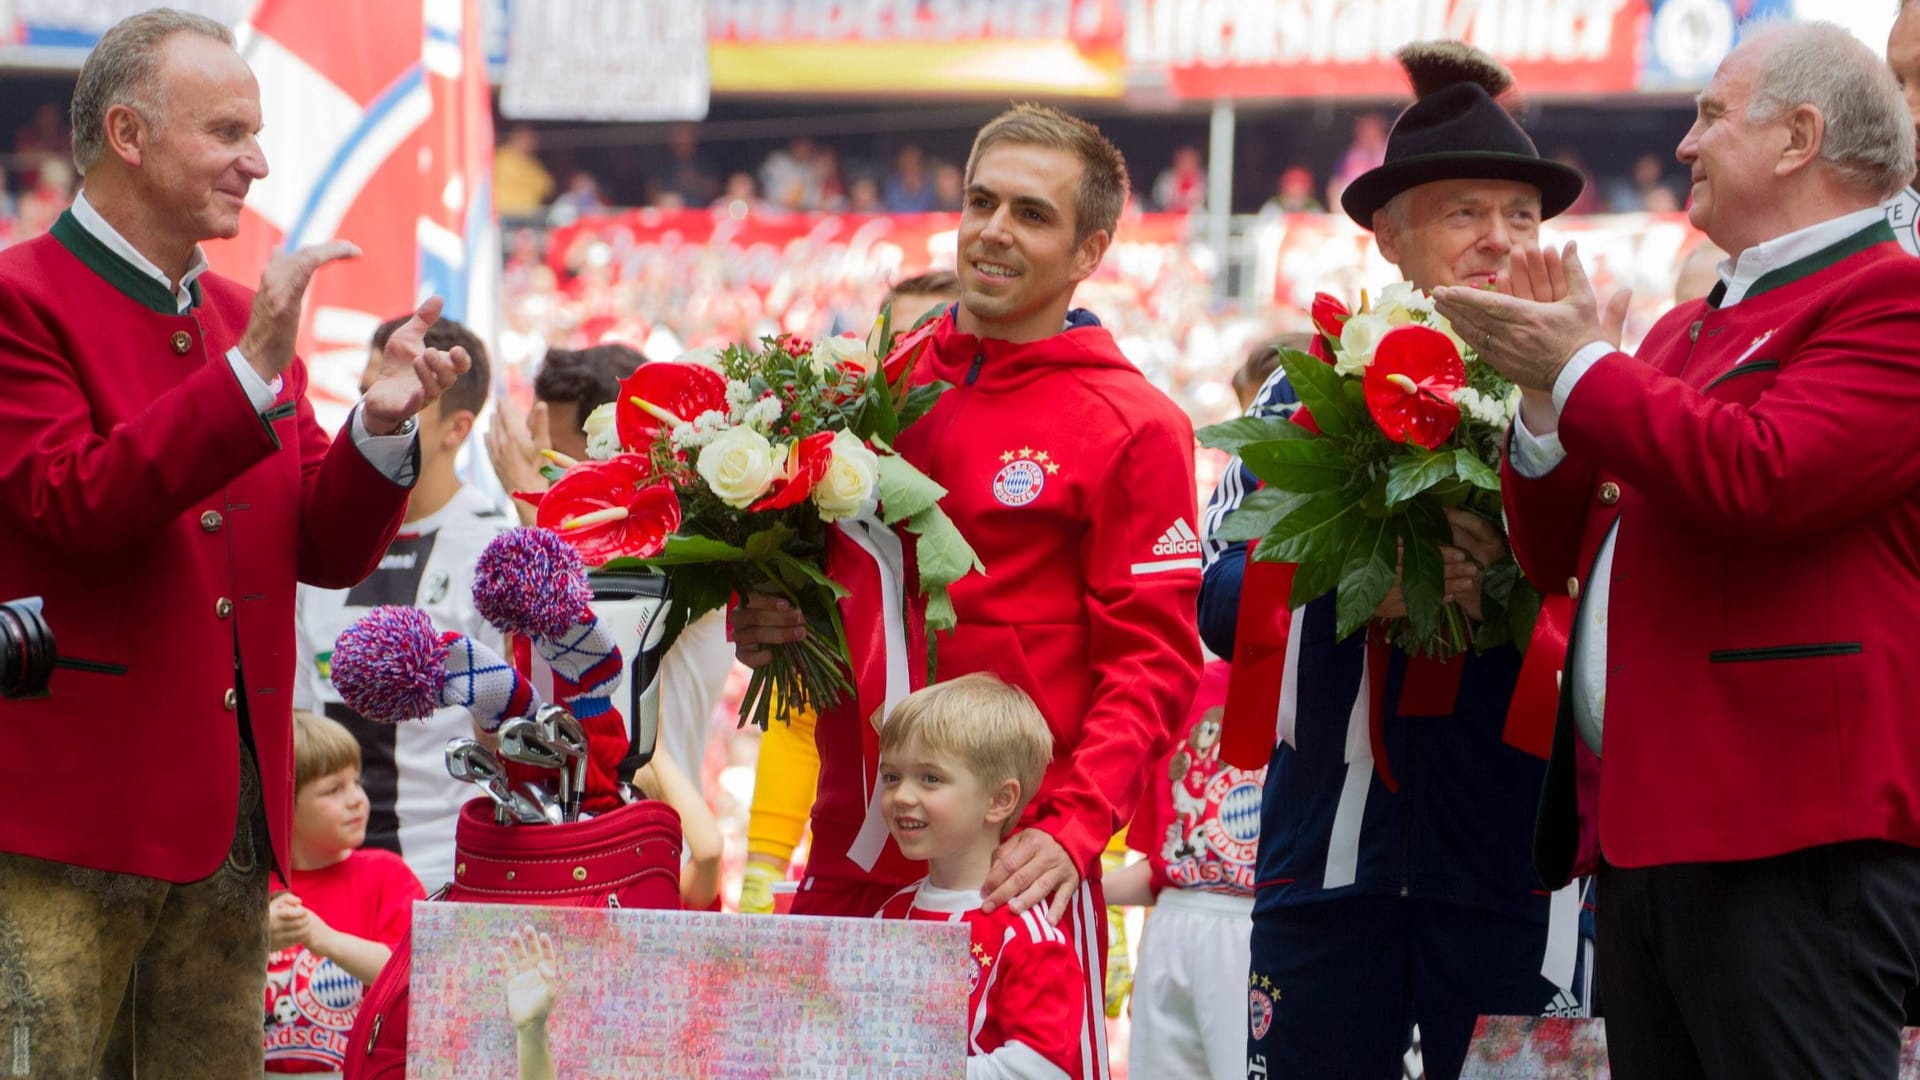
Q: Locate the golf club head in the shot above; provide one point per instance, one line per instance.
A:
(523, 743)
(526, 809)
(550, 810)
(571, 738)
(469, 762)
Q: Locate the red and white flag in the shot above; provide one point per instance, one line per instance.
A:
(378, 130)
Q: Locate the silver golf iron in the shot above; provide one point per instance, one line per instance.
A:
(543, 801)
(524, 741)
(471, 763)
(567, 734)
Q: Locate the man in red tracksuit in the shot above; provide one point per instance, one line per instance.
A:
(1072, 478)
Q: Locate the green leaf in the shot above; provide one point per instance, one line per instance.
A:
(1366, 577)
(921, 400)
(1322, 528)
(763, 544)
(945, 555)
(878, 417)
(940, 613)
(1313, 580)
(885, 336)
(681, 550)
(1422, 569)
(1311, 464)
(1258, 513)
(797, 570)
(1319, 389)
(1474, 471)
(1414, 474)
(905, 492)
(696, 590)
(1234, 434)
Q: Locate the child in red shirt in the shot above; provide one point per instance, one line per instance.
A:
(958, 762)
(332, 928)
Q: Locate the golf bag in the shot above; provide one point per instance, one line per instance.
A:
(625, 858)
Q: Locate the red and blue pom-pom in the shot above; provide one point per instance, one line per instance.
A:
(529, 581)
(389, 666)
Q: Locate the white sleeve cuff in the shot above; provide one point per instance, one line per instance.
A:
(391, 455)
(1534, 456)
(258, 392)
(1590, 354)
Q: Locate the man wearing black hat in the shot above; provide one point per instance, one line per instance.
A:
(1395, 886)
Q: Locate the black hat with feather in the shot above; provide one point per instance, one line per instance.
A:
(1456, 131)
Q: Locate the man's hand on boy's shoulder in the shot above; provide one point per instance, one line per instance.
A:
(1030, 867)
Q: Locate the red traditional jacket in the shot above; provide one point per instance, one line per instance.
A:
(165, 523)
(1763, 463)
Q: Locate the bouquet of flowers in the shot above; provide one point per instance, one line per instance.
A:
(1398, 421)
(725, 469)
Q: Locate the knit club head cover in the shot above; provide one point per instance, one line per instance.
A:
(393, 665)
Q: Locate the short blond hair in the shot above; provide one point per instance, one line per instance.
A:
(993, 729)
(322, 746)
(1104, 185)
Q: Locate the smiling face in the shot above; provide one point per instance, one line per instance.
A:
(1018, 259)
(1732, 159)
(936, 808)
(199, 155)
(1458, 232)
(329, 819)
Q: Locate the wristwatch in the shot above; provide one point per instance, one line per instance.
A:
(407, 427)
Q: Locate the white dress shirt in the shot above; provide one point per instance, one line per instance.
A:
(1536, 455)
(390, 454)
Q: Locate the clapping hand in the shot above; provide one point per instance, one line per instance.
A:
(411, 376)
(1549, 310)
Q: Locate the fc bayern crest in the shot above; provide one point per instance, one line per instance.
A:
(1259, 1013)
(1023, 475)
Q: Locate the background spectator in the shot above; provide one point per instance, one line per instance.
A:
(1293, 194)
(1644, 188)
(1182, 187)
(1367, 151)
(909, 189)
(521, 184)
(686, 173)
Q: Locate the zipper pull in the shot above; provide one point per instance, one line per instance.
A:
(373, 1035)
(973, 372)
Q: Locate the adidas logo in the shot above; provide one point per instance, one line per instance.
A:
(1178, 540)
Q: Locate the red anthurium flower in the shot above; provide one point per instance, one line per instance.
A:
(1305, 419)
(1328, 315)
(907, 349)
(1410, 387)
(663, 394)
(607, 509)
(807, 463)
(1318, 348)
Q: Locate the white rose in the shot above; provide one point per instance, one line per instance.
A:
(1358, 339)
(739, 465)
(603, 440)
(829, 353)
(709, 358)
(850, 478)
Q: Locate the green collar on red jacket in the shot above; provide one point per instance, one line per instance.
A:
(1877, 233)
(115, 270)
